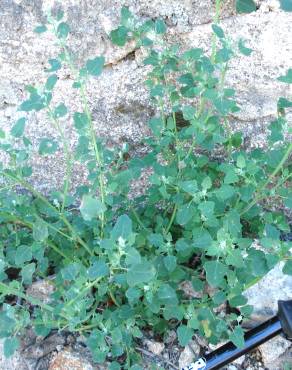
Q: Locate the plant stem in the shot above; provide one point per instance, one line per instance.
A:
(273, 174)
(44, 199)
(84, 291)
(12, 291)
(216, 21)
(97, 155)
(67, 158)
(138, 218)
(171, 219)
(92, 133)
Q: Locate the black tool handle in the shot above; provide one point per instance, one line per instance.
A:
(253, 338)
(282, 323)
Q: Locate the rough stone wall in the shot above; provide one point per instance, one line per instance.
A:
(118, 99)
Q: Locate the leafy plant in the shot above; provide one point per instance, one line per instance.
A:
(117, 263)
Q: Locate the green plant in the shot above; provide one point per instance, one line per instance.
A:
(117, 262)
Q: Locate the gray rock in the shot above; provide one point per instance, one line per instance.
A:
(272, 350)
(67, 359)
(189, 354)
(155, 347)
(265, 294)
(118, 99)
(14, 362)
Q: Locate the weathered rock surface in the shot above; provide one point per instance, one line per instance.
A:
(118, 99)
(12, 363)
(189, 354)
(264, 295)
(273, 349)
(67, 360)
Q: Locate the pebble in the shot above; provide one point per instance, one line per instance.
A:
(189, 354)
(154, 347)
(67, 360)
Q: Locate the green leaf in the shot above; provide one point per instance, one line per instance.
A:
(232, 223)
(258, 262)
(40, 230)
(157, 126)
(122, 228)
(184, 214)
(80, 120)
(245, 6)
(17, 129)
(189, 186)
(48, 146)
(188, 112)
(10, 346)
(59, 15)
(7, 323)
(27, 272)
(184, 335)
(98, 269)
(51, 82)
(237, 337)
(193, 54)
(286, 5)
(63, 30)
(119, 36)
(40, 29)
(287, 269)
(160, 27)
(202, 239)
(287, 78)
(240, 162)
(94, 66)
(223, 56)
(127, 17)
(238, 300)
(243, 49)
(91, 207)
(284, 103)
(235, 259)
(169, 263)
(231, 176)
(167, 295)
(71, 271)
(23, 254)
(207, 208)
(55, 65)
(2, 134)
(35, 102)
(60, 111)
(218, 31)
(133, 294)
(215, 272)
(140, 273)
(206, 183)
(133, 257)
(225, 192)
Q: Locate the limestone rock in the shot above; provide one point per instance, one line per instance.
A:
(14, 362)
(273, 349)
(155, 347)
(41, 290)
(264, 295)
(189, 354)
(69, 360)
(118, 99)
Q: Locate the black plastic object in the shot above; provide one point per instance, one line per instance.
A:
(282, 323)
(253, 338)
(285, 317)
